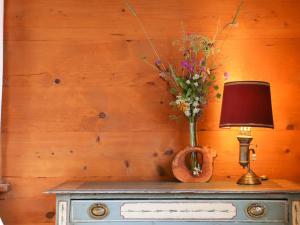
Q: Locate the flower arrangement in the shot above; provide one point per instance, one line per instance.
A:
(194, 79)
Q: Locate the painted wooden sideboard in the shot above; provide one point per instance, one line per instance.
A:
(275, 202)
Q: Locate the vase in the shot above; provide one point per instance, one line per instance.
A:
(194, 164)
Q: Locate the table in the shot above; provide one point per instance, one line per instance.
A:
(274, 202)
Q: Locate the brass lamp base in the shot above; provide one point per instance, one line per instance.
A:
(250, 178)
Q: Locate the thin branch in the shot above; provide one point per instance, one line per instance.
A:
(235, 17)
(150, 64)
(217, 30)
(133, 12)
(231, 23)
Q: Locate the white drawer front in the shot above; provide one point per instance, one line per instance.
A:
(178, 210)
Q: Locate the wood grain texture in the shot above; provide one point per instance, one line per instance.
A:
(79, 104)
(4, 187)
(296, 212)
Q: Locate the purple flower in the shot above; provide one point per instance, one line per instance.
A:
(185, 64)
(226, 75)
(157, 62)
(191, 67)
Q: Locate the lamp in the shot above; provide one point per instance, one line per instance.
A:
(246, 104)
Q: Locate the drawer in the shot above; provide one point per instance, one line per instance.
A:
(167, 212)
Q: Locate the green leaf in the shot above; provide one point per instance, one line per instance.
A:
(188, 93)
(216, 87)
(218, 95)
(181, 82)
(173, 90)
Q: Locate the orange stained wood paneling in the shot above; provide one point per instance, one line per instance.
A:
(79, 104)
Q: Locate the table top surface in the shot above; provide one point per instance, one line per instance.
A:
(270, 186)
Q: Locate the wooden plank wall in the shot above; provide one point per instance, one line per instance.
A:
(79, 104)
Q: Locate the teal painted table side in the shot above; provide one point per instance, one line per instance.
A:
(275, 202)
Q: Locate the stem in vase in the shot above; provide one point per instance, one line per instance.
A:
(195, 166)
(193, 132)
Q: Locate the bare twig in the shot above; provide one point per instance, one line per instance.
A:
(133, 12)
(235, 17)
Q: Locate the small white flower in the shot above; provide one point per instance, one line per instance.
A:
(187, 113)
(196, 76)
(196, 84)
(196, 110)
(188, 81)
(195, 104)
(196, 171)
(197, 98)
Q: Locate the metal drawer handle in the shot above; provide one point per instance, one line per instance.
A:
(256, 210)
(98, 211)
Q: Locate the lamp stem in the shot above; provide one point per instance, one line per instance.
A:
(250, 178)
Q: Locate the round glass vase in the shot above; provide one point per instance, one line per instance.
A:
(194, 165)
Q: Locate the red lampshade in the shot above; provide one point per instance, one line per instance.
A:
(246, 104)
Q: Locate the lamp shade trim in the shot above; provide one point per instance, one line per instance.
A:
(228, 125)
(247, 82)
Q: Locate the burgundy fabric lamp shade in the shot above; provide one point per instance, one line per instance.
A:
(246, 104)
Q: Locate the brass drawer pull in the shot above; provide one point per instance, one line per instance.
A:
(256, 210)
(98, 211)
